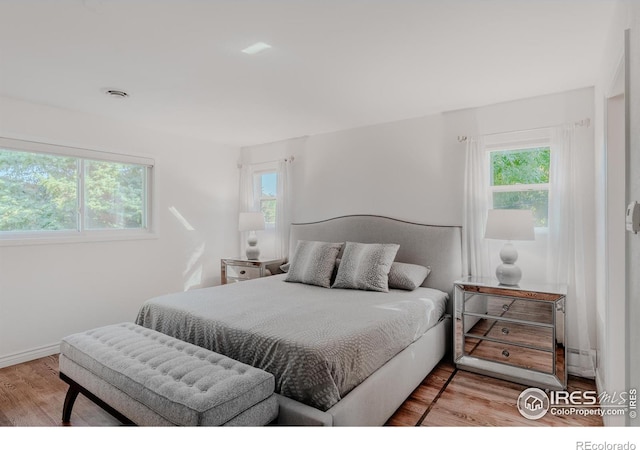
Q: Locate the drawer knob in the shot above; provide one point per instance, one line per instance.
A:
(242, 272)
(505, 307)
(505, 330)
(505, 353)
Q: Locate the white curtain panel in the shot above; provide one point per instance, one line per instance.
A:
(283, 208)
(475, 253)
(566, 262)
(246, 202)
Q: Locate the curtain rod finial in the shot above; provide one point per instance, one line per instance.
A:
(462, 139)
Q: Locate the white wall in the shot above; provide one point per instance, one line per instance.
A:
(414, 169)
(400, 169)
(49, 291)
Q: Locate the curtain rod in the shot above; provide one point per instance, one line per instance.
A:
(580, 123)
(288, 159)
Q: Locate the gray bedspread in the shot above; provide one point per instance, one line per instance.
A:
(319, 343)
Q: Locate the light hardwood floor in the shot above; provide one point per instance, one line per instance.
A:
(31, 394)
(450, 397)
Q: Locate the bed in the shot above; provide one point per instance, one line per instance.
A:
(341, 357)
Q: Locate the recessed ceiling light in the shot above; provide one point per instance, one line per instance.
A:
(117, 94)
(256, 48)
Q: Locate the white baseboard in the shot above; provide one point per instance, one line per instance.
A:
(29, 355)
(581, 363)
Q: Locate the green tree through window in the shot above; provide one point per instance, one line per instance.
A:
(267, 191)
(520, 180)
(114, 195)
(37, 192)
(41, 192)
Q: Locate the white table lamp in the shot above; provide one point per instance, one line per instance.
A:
(251, 222)
(509, 225)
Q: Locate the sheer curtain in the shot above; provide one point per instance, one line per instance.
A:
(566, 260)
(475, 253)
(283, 208)
(246, 202)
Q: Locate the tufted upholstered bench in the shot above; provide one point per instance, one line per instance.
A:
(144, 377)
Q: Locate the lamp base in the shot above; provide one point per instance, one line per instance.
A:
(253, 252)
(508, 274)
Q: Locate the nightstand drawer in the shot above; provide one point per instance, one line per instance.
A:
(527, 358)
(243, 272)
(513, 333)
(511, 308)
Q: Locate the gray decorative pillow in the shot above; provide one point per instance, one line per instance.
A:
(366, 266)
(313, 263)
(407, 276)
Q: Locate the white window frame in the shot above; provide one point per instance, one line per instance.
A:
(515, 146)
(13, 238)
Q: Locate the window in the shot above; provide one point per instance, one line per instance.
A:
(54, 191)
(114, 195)
(519, 179)
(37, 192)
(265, 193)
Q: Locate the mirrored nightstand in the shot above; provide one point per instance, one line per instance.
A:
(511, 332)
(233, 270)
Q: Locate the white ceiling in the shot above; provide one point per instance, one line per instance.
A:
(334, 64)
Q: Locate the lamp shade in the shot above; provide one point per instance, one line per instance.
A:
(510, 225)
(251, 221)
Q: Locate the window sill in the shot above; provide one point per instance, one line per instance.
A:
(75, 238)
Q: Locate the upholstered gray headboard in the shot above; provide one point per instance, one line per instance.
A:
(439, 247)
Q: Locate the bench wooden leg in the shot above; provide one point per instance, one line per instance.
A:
(69, 400)
(72, 394)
